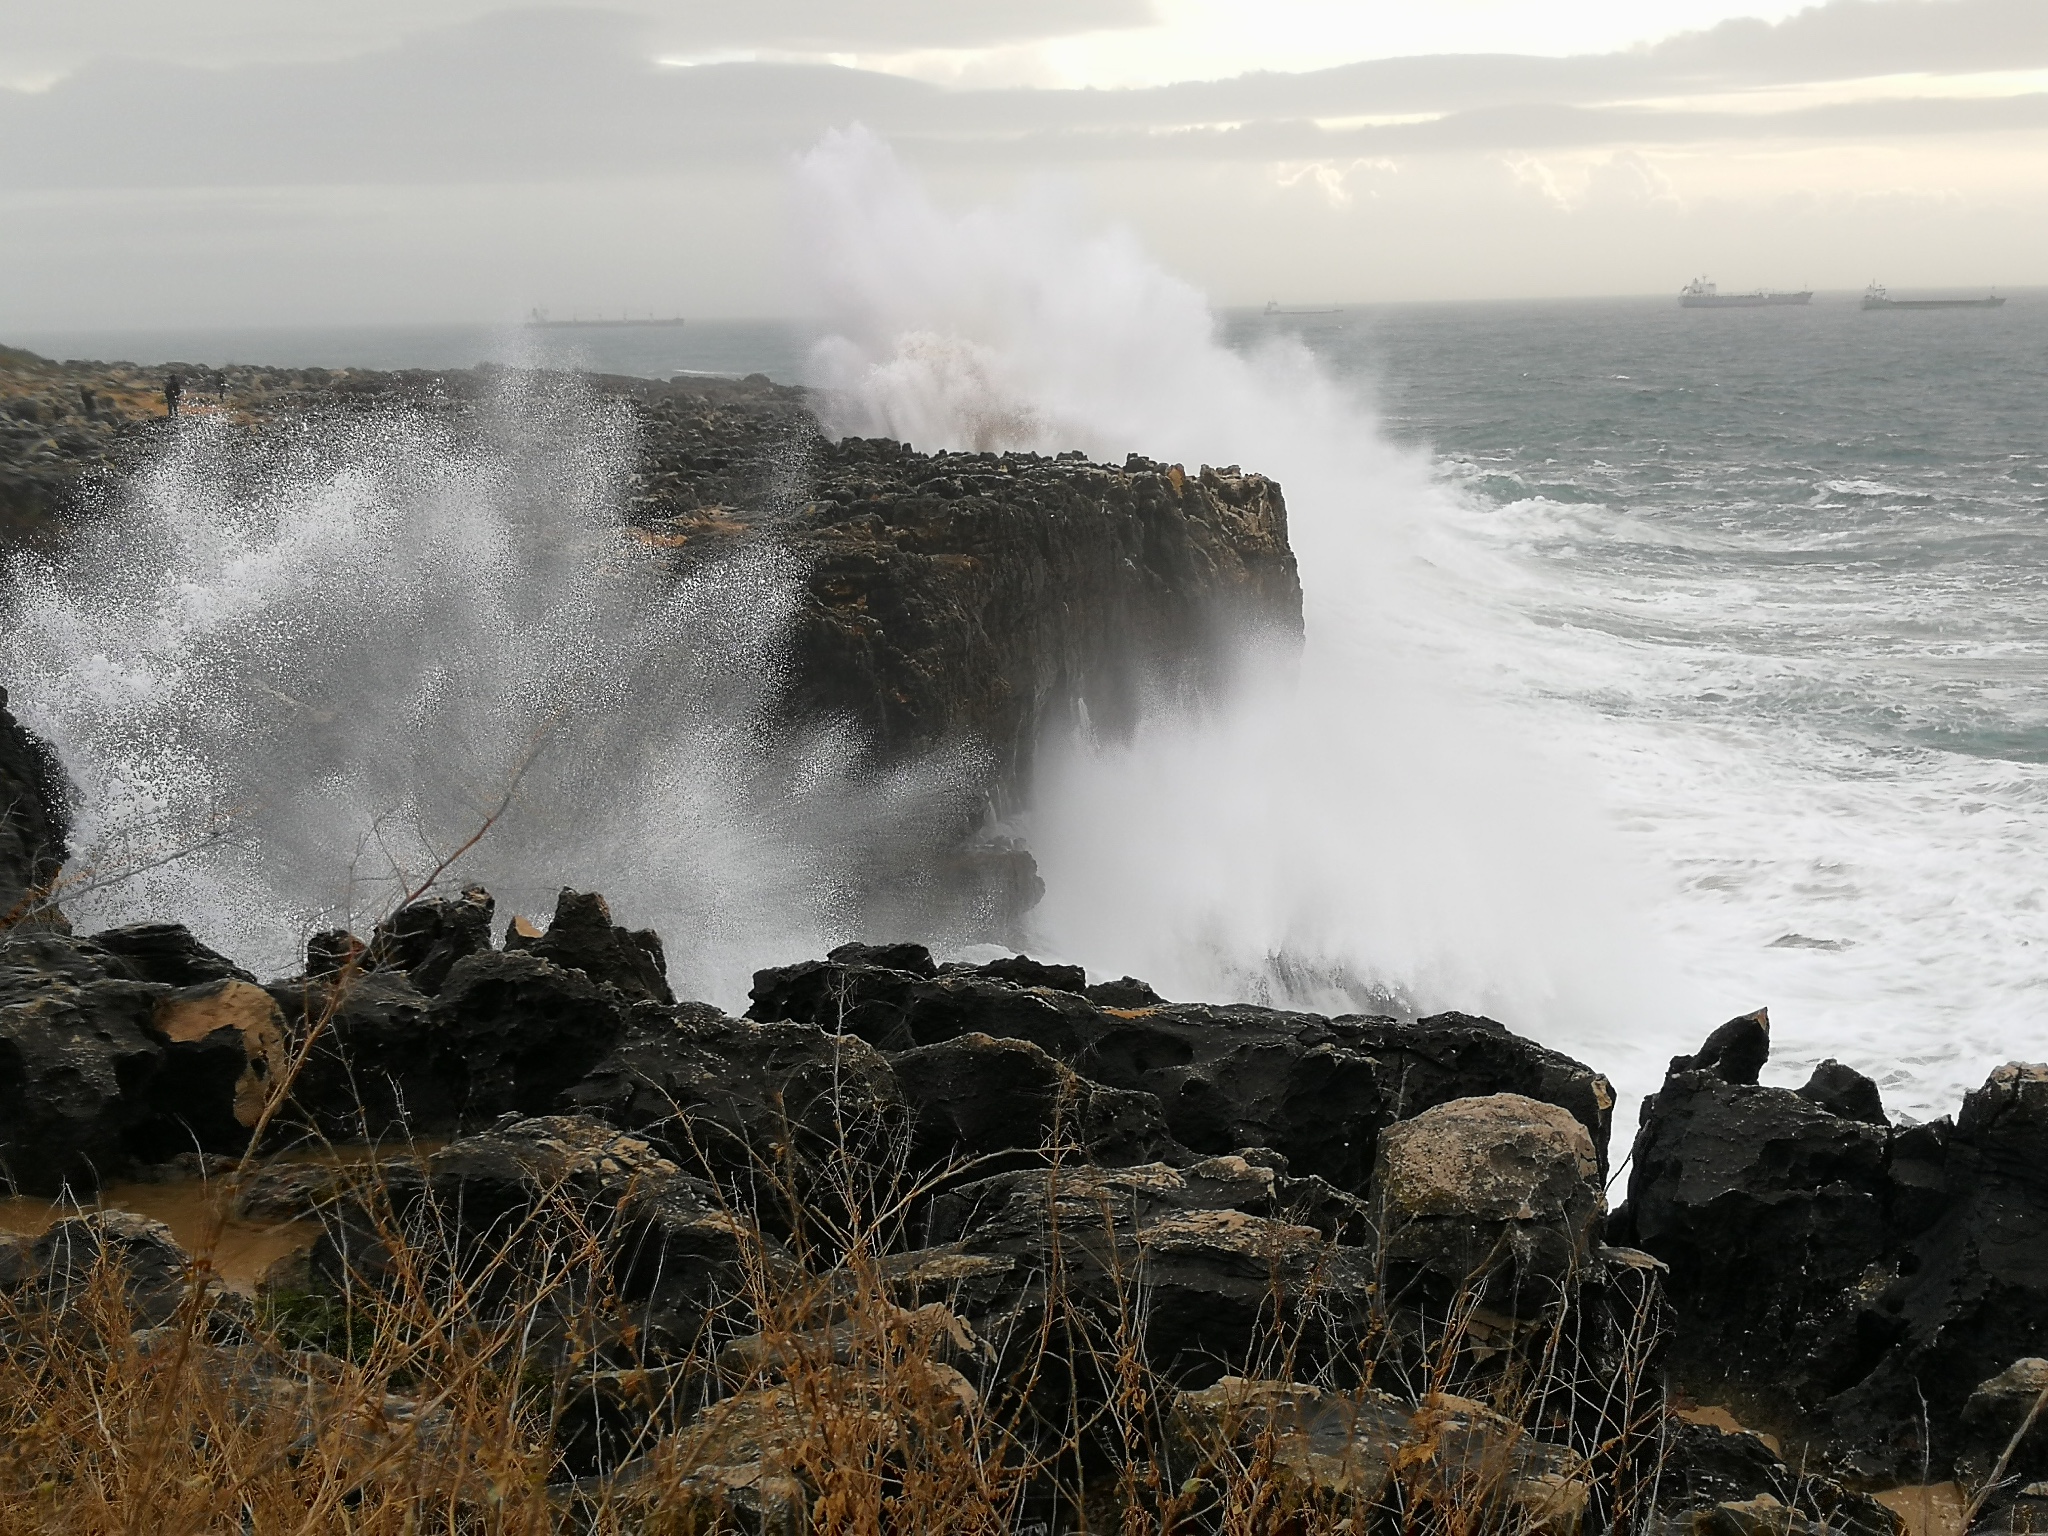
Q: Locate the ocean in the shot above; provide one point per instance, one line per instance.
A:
(1769, 587)
(1784, 575)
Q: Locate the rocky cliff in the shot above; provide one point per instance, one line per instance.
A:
(949, 598)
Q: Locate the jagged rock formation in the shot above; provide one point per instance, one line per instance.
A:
(1837, 1272)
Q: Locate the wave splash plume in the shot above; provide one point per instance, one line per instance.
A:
(291, 675)
(1342, 831)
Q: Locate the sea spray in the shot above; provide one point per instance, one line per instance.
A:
(1349, 827)
(291, 674)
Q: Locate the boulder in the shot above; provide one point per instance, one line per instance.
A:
(1027, 972)
(77, 1060)
(1124, 992)
(223, 1047)
(1735, 1053)
(584, 938)
(504, 1205)
(334, 950)
(375, 1063)
(1844, 1091)
(1715, 1482)
(168, 953)
(1499, 1194)
(1769, 1209)
(513, 1031)
(1144, 1246)
(976, 1096)
(1872, 1281)
(1448, 1462)
(1966, 1294)
(730, 1096)
(154, 1271)
(35, 820)
(424, 939)
(1996, 1411)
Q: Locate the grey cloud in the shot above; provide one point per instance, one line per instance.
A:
(1852, 38)
(60, 36)
(568, 95)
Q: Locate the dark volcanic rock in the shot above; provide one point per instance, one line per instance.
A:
(1994, 1415)
(914, 958)
(1210, 1272)
(496, 1200)
(515, 1030)
(1768, 1208)
(1124, 992)
(508, 1033)
(1316, 1090)
(167, 952)
(34, 822)
(1717, 1483)
(375, 1066)
(948, 598)
(1827, 1266)
(1967, 1294)
(154, 1269)
(1498, 1195)
(423, 939)
(730, 1095)
(975, 1096)
(223, 1049)
(584, 938)
(1844, 1091)
(333, 949)
(76, 1061)
(981, 596)
(1027, 972)
(1736, 1052)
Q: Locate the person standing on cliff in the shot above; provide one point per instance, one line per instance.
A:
(173, 388)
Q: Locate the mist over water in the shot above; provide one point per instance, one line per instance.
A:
(1348, 828)
(290, 678)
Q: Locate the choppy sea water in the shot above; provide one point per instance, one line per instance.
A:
(1779, 577)
(1783, 574)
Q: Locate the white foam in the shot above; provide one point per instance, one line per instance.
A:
(1361, 827)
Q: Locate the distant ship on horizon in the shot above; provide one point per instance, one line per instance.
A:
(1701, 294)
(537, 320)
(1875, 297)
(1274, 307)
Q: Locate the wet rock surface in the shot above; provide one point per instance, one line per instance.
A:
(1862, 1280)
(78, 1064)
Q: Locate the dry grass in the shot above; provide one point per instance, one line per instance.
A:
(457, 1378)
(436, 1373)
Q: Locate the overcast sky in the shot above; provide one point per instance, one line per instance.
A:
(272, 161)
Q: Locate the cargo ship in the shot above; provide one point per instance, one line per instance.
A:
(1701, 294)
(1874, 297)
